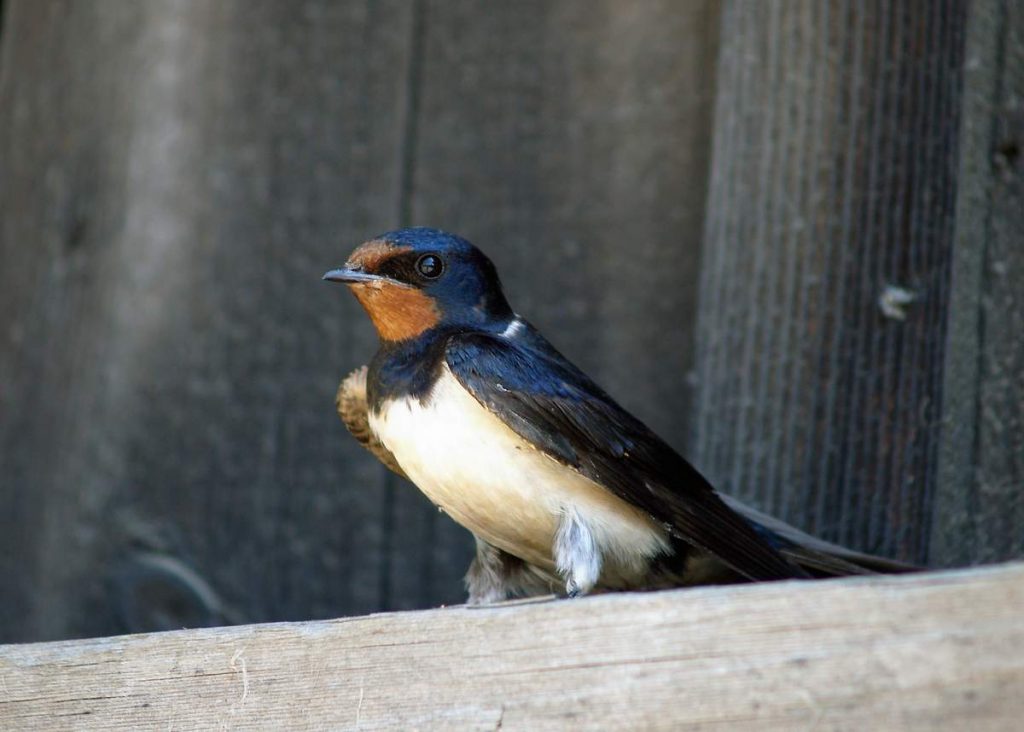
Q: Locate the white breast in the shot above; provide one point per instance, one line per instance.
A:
(502, 489)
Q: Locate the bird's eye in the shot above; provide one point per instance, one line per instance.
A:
(430, 266)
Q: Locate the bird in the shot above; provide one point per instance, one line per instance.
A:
(564, 490)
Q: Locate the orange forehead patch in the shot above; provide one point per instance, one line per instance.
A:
(372, 254)
(398, 313)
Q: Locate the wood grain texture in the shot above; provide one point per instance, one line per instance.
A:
(940, 651)
(999, 503)
(832, 195)
(979, 506)
(177, 176)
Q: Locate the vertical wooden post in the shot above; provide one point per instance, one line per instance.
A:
(979, 505)
(826, 275)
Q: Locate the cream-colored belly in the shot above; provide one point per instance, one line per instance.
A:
(498, 486)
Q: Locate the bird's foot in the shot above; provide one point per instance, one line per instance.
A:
(496, 577)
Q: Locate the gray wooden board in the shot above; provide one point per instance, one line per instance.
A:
(979, 508)
(941, 651)
(832, 195)
(177, 176)
(998, 517)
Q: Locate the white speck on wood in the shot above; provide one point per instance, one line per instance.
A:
(894, 299)
(238, 664)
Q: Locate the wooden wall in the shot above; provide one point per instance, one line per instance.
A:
(174, 178)
(978, 515)
(833, 199)
(861, 341)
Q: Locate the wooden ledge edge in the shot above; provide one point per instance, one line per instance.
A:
(936, 650)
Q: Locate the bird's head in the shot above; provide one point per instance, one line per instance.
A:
(412, 280)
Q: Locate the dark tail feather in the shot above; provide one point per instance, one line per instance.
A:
(817, 557)
(843, 562)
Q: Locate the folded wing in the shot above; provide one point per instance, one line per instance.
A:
(354, 412)
(551, 403)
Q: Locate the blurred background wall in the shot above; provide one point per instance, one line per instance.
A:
(175, 176)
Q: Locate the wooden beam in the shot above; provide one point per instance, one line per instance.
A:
(931, 651)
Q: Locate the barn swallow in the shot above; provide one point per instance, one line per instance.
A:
(562, 488)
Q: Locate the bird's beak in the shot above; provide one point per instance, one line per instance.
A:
(355, 276)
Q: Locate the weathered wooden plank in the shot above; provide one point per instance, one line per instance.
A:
(176, 177)
(932, 651)
(979, 505)
(832, 198)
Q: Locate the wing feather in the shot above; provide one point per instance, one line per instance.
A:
(354, 412)
(545, 399)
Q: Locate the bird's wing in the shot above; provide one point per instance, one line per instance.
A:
(546, 400)
(354, 412)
